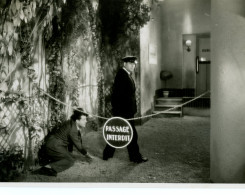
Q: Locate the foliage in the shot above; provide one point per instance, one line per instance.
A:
(137, 14)
(11, 163)
(69, 25)
(26, 46)
(21, 18)
(120, 23)
(61, 23)
(56, 81)
(122, 18)
(35, 124)
(76, 23)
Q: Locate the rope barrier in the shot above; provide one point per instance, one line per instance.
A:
(136, 118)
(73, 107)
(87, 86)
(165, 111)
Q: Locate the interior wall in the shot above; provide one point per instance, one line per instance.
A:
(150, 58)
(227, 91)
(189, 62)
(178, 18)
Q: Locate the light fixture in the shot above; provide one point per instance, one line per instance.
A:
(188, 45)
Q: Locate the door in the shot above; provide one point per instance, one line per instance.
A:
(203, 66)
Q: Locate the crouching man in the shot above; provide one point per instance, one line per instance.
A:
(58, 157)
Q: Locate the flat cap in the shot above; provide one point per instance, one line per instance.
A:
(131, 59)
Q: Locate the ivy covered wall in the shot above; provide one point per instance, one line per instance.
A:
(54, 55)
(121, 21)
(48, 49)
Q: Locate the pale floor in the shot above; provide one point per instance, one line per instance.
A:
(177, 148)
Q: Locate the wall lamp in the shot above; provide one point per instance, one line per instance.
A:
(188, 45)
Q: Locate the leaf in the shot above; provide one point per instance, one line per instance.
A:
(10, 27)
(10, 48)
(34, 14)
(13, 8)
(4, 72)
(16, 36)
(15, 21)
(3, 86)
(22, 15)
(18, 21)
(34, 5)
(17, 3)
(40, 3)
(3, 50)
(51, 10)
(7, 37)
(33, 8)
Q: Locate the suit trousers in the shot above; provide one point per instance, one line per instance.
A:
(59, 157)
(133, 147)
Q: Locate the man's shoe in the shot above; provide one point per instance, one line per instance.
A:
(47, 171)
(105, 158)
(144, 159)
(140, 160)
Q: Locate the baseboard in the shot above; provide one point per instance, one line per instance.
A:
(145, 119)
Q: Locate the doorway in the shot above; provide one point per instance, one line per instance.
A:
(203, 65)
(196, 64)
(196, 73)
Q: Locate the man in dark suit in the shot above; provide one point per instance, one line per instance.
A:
(55, 149)
(123, 103)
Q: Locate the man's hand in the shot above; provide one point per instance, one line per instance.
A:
(89, 156)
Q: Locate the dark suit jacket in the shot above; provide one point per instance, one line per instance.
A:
(123, 99)
(65, 135)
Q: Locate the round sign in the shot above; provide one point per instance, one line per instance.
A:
(117, 132)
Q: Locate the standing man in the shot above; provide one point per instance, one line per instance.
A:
(123, 103)
(56, 151)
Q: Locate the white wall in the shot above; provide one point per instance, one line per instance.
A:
(180, 17)
(150, 72)
(228, 91)
(189, 62)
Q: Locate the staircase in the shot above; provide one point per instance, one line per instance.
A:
(165, 103)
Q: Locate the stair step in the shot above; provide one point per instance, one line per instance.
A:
(168, 100)
(167, 114)
(168, 105)
(161, 109)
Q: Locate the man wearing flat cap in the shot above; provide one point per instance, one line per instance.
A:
(55, 148)
(123, 103)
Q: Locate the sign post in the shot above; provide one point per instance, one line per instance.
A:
(117, 132)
